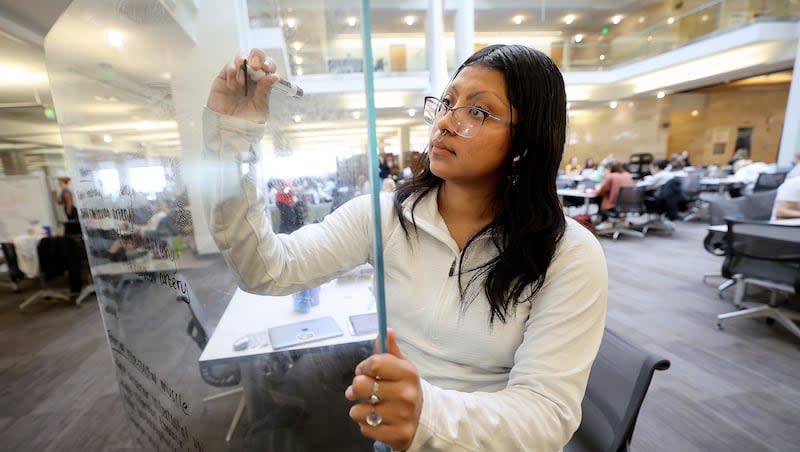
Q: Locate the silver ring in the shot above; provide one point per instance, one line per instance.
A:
(374, 418)
(375, 397)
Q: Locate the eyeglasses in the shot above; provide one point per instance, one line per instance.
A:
(468, 119)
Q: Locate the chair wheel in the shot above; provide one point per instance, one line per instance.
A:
(719, 326)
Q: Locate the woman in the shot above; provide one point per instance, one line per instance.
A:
(496, 300)
(72, 225)
(573, 168)
(616, 178)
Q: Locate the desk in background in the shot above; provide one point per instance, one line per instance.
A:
(587, 196)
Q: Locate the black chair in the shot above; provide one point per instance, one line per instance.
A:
(769, 181)
(691, 186)
(618, 384)
(630, 203)
(218, 374)
(753, 207)
(768, 256)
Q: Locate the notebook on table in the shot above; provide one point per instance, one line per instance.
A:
(299, 333)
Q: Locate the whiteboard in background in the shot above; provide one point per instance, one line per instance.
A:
(25, 203)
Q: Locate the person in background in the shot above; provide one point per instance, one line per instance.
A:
(795, 171)
(496, 299)
(616, 178)
(787, 200)
(72, 226)
(740, 154)
(573, 168)
(590, 164)
(659, 175)
(685, 157)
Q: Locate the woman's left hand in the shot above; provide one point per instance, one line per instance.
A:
(398, 390)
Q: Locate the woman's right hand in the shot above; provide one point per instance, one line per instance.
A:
(227, 90)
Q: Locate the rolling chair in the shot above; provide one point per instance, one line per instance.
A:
(639, 165)
(768, 181)
(630, 202)
(767, 256)
(618, 384)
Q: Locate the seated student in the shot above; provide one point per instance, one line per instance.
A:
(616, 178)
(573, 168)
(659, 175)
(496, 300)
(787, 200)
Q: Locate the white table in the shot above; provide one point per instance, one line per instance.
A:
(587, 196)
(250, 314)
(784, 222)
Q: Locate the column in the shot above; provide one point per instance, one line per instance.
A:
(434, 39)
(465, 30)
(790, 139)
(221, 31)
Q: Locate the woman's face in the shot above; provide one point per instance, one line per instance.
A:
(478, 159)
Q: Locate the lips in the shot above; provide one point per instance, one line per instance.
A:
(437, 147)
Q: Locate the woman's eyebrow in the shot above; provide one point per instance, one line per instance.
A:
(479, 93)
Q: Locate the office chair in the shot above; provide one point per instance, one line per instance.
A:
(219, 375)
(630, 202)
(695, 205)
(618, 384)
(768, 256)
(768, 181)
(639, 165)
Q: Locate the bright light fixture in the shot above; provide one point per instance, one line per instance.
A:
(578, 37)
(15, 75)
(704, 18)
(356, 115)
(616, 19)
(114, 38)
(297, 45)
(518, 19)
(695, 112)
(166, 76)
(298, 60)
(291, 22)
(352, 21)
(412, 112)
(569, 105)
(671, 20)
(569, 18)
(602, 57)
(297, 118)
(299, 71)
(410, 20)
(612, 104)
(107, 139)
(660, 95)
(641, 19)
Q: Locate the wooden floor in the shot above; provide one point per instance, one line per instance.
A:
(731, 390)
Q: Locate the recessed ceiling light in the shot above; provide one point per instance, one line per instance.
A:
(352, 21)
(291, 22)
(650, 38)
(107, 139)
(602, 57)
(297, 45)
(671, 20)
(410, 20)
(299, 71)
(616, 19)
(518, 19)
(166, 76)
(695, 112)
(412, 112)
(578, 37)
(114, 38)
(298, 60)
(660, 94)
(704, 18)
(569, 18)
(641, 20)
(612, 104)
(297, 118)
(356, 115)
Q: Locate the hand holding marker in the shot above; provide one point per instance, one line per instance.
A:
(284, 86)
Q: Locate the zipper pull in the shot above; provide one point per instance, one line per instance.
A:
(452, 268)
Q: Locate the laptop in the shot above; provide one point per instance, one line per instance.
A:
(299, 333)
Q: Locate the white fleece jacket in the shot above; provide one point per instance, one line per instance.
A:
(513, 387)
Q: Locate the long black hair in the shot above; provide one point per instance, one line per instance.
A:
(528, 220)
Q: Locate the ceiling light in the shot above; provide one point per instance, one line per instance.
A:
(704, 18)
(15, 75)
(569, 105)
(297, 45)
(569, 18)
(518, 19)
(602, 57)
(695, 112)
(578, 37)
(660, 95)
(356, 115)
(298, 60)
(671, 20)
(299, 71)
(114, 38)
(291, 22)
(410, 20)
(650, 38)
(412, 112)
(612, 104)
(352, 21)
(641, 20)
(297, 118)
(616, 19)
(166, 76)
(107, 139)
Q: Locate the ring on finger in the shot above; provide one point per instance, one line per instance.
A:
(375, 397)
